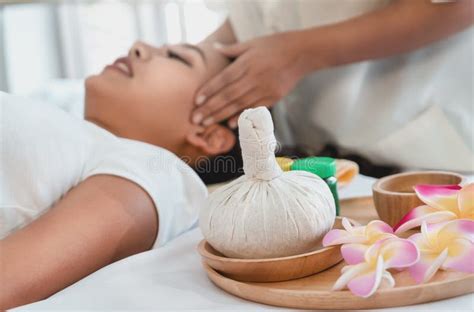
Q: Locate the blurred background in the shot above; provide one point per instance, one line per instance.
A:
(47, 48)
(42, 41)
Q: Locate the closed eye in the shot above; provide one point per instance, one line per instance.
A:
(176, 56)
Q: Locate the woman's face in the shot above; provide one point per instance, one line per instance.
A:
(149, 95)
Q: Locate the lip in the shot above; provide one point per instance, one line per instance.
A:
(124, 65)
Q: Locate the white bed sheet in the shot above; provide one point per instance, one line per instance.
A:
(171, 278)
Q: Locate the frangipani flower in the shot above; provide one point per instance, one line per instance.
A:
(365, 277)
(446, 246)
(357, 239)
(443, 203)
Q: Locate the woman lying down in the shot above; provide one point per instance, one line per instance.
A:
(76, 195)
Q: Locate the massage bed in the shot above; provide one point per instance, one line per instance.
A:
(171, 278)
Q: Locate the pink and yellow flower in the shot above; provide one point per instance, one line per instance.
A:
(447, 246)
(365, 277)
(357, 239)
(443, 203)
(446, 241)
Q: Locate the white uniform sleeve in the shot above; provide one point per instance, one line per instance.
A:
(247, 20)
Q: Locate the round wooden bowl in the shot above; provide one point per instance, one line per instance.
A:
(273, 269)
(394, 195)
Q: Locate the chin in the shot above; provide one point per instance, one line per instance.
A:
(92, 86)
(99, 89)
(104, 83)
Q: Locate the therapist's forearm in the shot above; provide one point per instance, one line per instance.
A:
(402, 26)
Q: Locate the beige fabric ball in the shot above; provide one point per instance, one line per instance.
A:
(266, 213)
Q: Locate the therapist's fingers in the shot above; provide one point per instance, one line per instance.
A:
(224, 97)
(232, 123)
(231, 50)
(231, 73)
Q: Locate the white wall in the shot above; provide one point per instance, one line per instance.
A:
(3, 77)
(31, 53)
(75, 38)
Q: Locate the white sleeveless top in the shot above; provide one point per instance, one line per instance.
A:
(414, 110)
(45, 152)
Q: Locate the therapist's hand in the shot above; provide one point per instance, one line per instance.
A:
(265, 70)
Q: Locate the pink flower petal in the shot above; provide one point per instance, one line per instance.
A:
(358, 230)
(427, 266)
(337, 237)
(466, 227)
(466, 201)
(430, 190)
(418, 270)
(372, 253)
(348, 273)
(420, 242)
(364, 285)
(460, 256)
(429, 236)
(441, 197)
(346, 224)
(417, 238)
(377, 230)
(378, 226)
(460, 228)
(419, 214)
(399, 253)
(415, 214)
(353, 253)
(389, 278)
(434, 227)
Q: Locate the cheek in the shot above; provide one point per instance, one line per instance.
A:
(167, 93)
(155, 106)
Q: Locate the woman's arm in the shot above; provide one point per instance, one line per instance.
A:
(102, 220)
(400, 27)
(282, 59)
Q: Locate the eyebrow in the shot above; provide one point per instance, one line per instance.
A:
(197, 49)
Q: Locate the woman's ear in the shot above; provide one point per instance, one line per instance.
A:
(213, 140)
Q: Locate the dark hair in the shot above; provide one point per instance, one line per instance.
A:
(221, 168)
(230, 165)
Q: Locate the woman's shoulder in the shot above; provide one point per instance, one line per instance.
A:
(145, 159)
(147, 163)
(176, 190)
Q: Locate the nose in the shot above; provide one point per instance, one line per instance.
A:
(142, 51)
(139, 50)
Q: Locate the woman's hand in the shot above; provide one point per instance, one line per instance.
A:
(265, 70)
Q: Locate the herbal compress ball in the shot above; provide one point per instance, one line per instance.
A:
(266, 213)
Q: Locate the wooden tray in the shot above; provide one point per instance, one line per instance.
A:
(314, 292)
